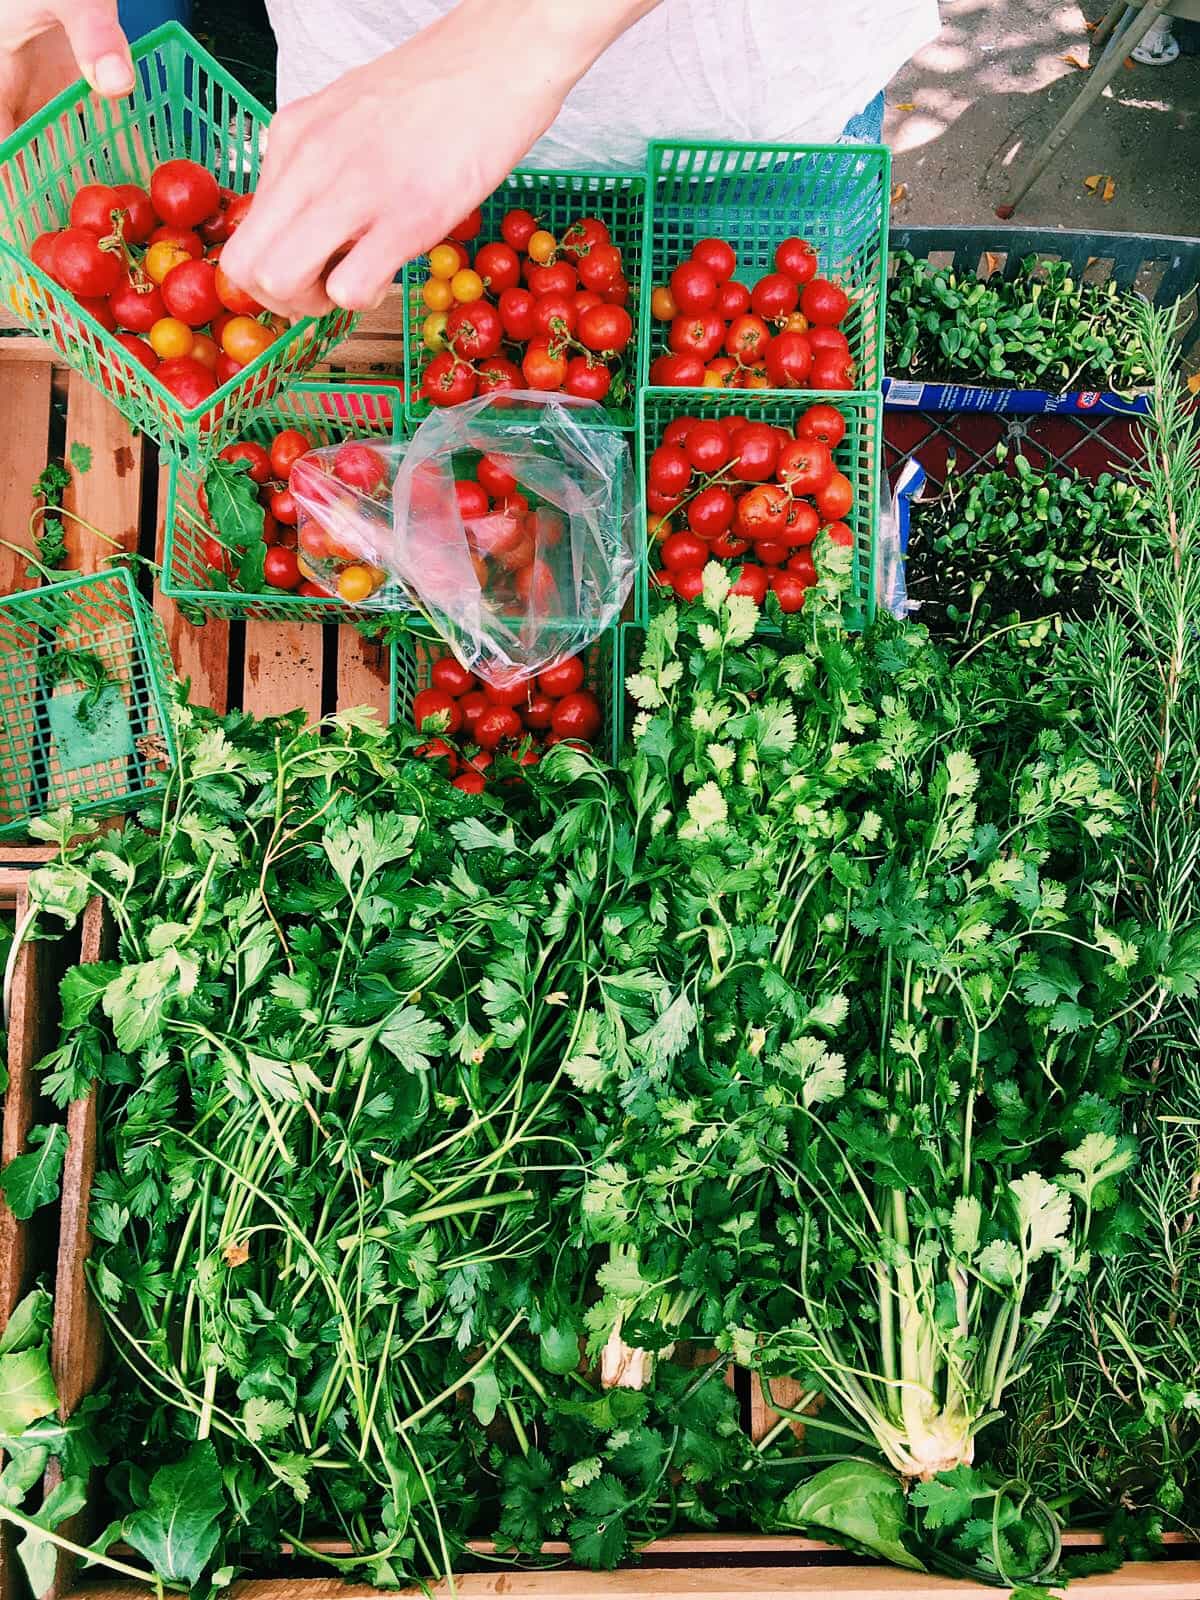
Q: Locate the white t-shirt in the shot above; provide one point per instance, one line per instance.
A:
(785, 71)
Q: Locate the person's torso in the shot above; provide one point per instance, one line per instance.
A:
(773, 70)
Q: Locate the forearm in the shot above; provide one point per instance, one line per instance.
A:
(557, 39)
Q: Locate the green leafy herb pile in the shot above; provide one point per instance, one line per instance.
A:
(1042, 326)
(453, 1151)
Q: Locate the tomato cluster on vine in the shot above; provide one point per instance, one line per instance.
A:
(784, 333)
(751, 493)
(471, 722)
(530, 311)
(145, 263)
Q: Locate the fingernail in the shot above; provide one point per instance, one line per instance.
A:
(113, 75)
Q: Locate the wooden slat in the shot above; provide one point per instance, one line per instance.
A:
(1159, 1580)
(109, 494)
(199, 653)
(362, 672)
(283, 668)
(28, 347)
(24, 451)
(763, 1415)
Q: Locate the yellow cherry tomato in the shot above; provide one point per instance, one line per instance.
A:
(466, 285)
(355, 584)
(797, 322)
(541, 246)
(443, 261)
(161, 257)
(713, 380)
(657, 525)
(309, 572)
(244, 339)
(170, 338)
(662, 305)
(204, 350)
(433, 331)
(437, 294)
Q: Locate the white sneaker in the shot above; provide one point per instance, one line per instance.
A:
(1160, 46)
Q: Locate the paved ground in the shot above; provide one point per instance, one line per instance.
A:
(993, 85)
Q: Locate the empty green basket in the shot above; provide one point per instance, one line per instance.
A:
(183, 104)
(84, 713)
(755, 195)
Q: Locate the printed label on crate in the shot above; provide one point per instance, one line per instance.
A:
(906, 394)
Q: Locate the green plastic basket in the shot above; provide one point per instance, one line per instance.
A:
(858, 456)
(556, 199)
(413, 658)
(630, 638)
(327, 413)
(184, 104)
(755, 195)
(84, 712)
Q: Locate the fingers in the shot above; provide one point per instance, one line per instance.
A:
(101, 48)
(361, 281)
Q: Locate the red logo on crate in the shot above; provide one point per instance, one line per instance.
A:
(1087, 400)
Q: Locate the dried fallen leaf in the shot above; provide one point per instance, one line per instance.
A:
(991, 263)
(236, 1255)
(1091, 26)
(1193, 383)
(906, 105)
(1093, 183)
(899, 193)
(1074, 61)
(1129, 63)
(1110, 189)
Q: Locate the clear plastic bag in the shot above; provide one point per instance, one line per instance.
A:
(891, 544)
(507, 521)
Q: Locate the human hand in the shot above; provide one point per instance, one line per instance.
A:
(380, 165)
(46, 44)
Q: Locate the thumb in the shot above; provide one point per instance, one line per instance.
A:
(101, 48)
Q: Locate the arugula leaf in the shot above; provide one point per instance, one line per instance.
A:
(861, 1505)
(32, 1180)
(179, 1529)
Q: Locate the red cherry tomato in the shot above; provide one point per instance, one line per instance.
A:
(431, 704)
(805, 466)
(469, 227)
(707, 447)
(469, 782)
(828, 341)
(836, 498)
(140, 219)
(601, 268)
(517, 227)
(582, 237)
(796, 259)
(183, 237)
(507, 694)
(718, 256)
(472, 705)
(474, 330)
(669, 470)
(362, 468)
(92, 208)
(839, 533)
(281, 568)
(694, 287)
(184, 193)
(605, 327)
(677, 371)
(822, 422)
(448, 381)
(563, 679)
(832, 372)
(752, 581)
(495, 725)
(683, 550)
(187, 380)
(687, 584)
(82, 267)
(140, 349)
(495, 374)
(439, 750)
(554, 316)
(254, 454)
(789, 360)
(472, 499)
(678, 430)
(587, 378)
(803, 566)
(577, 716)
(516, 313)
(542, 369)
(189, 292)
(733, 300)
(823, 303)
(762, 512)
(661, 504)
(537, 711)
(284, 508)
(499, 267)
(711, 512)
(747, 338)
(134, 310)
(452, 677)
(771, 552)
(774, 296)
(494, 476)
(699, 334)
(802, 523)
(755, 452)
(727, 546)
(788, 588)
(286, 449)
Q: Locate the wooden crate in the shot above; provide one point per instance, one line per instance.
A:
(273, 667)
